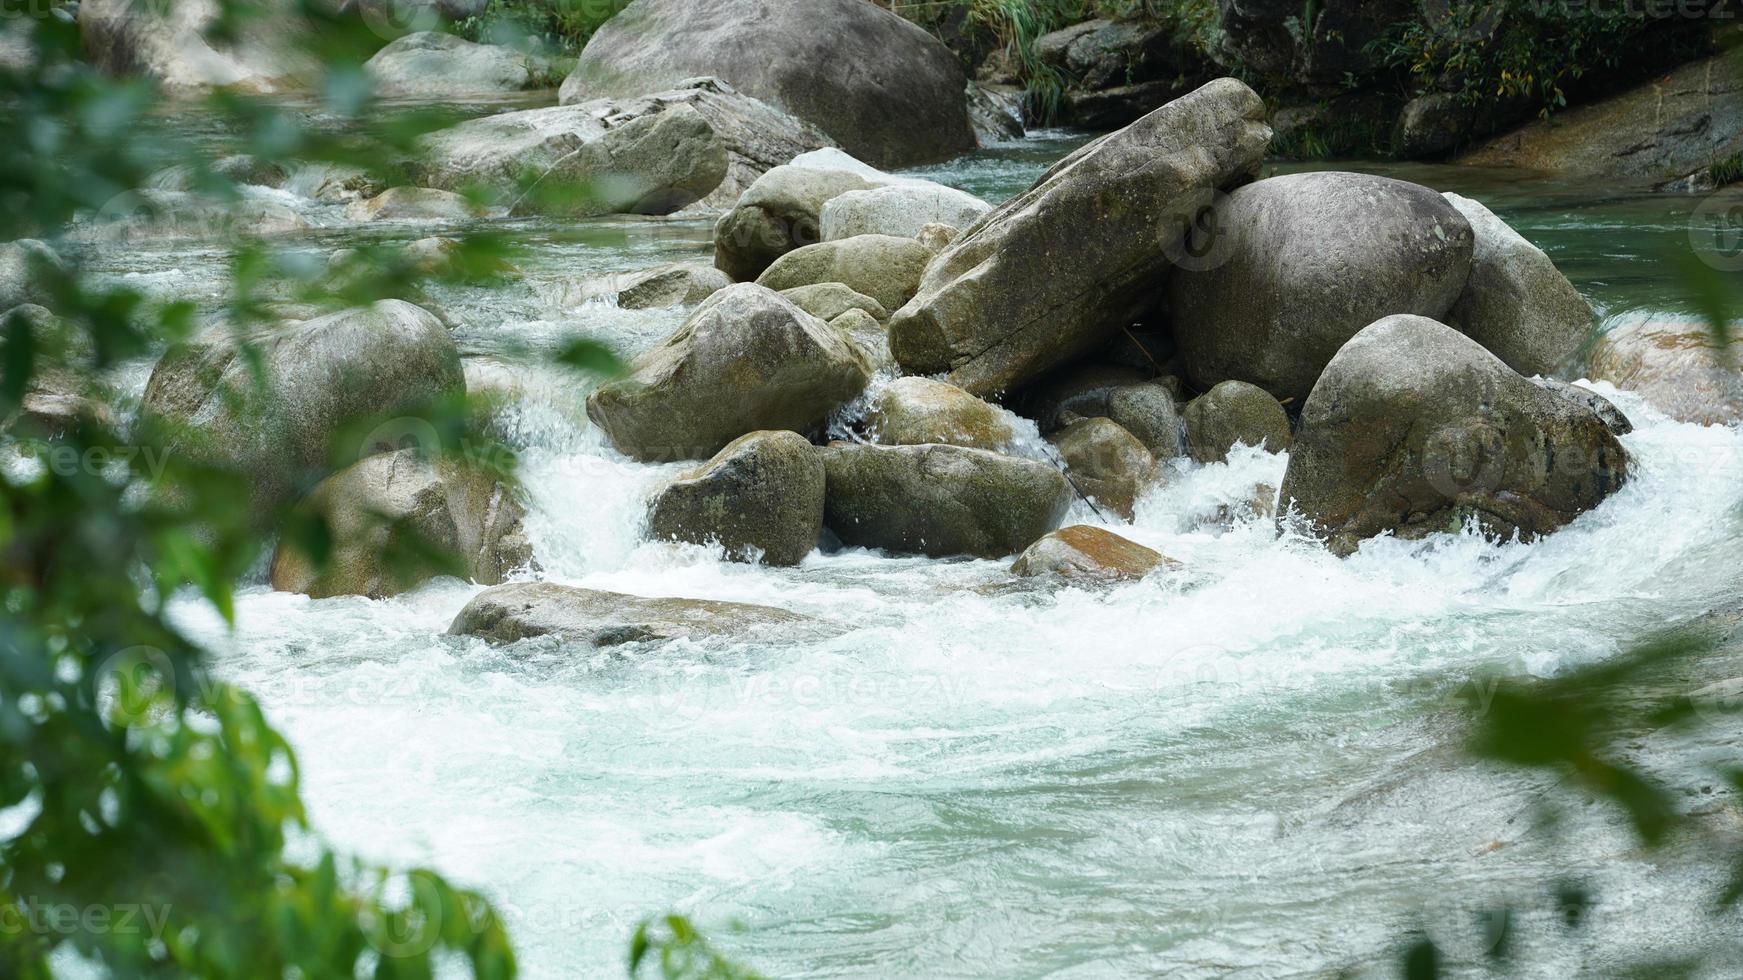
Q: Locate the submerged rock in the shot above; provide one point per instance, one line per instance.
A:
(651, 155)
(1083, 552)
(1679, 368)
(917, 411)
(677, 284)
(1304, 262)
(322, 375)
(877, 84)
(385, 510)
(1415, 428)
(940, 500)
(21, 265)
(760, 499)
(1516, 302)
(1051, 274)
(1107, 463)
(1234, 412)
(415, 204)
(746, 359)
(884, 267)
(524, 610)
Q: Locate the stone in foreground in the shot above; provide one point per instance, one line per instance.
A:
(1107, 463)
(940, 500)
(1055, 272)
(1415, 428)
(1304, 261)
(746, 359)
(884, 267)
(384, 510)
(1084, 552)
(524, 610)
(760, 499)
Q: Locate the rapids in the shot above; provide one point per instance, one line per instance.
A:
(1242, 768)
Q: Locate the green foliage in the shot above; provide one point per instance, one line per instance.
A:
(672, 946)
(1727, 171)
(1515, 50)
(565, 25)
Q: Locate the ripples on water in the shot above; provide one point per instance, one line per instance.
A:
(1240, 768)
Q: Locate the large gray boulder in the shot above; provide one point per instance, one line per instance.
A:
(169, 43)
(940, 500)
(746, 359)
(917, 411)
(1679, 368)
(524, 610)
(433, 63)
(884, 267)
(655, 154)
(902, 210)
(321, 376)
(385, 512)
(759, 499)
(883, 88)
(1414, 428)
(781, 211)
(1304, 261)
(1516, 302)
(1053, 273)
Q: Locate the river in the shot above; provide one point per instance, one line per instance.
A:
(1244, 768)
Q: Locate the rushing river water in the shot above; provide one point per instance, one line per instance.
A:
(1242, 768)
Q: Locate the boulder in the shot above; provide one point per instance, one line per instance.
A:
(995, 113)
(1516, 302)
(1108, 464)
(1234, 412)
(760, 499)
(169, 44)
(322, 375)
(863, 329)
(1679, 368)
(1667, 128)
(523, 610)
(940, 500)
(1080, 392)
(778, 213)
(21, 263)
(1053, 273)
(1082, 552)
(1414, 429)
(884, 267)
(828, 300)
(386, 512)
(1148, 412)
(1605, 409)
(651, 155)
(745, 360)
(903, 210)
(917, 411)
(937, 236)
(880, 86)
(677, 284)
(1306, 260)
(431, 63)
(166, 215)
(414, 204)
(332, 183)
